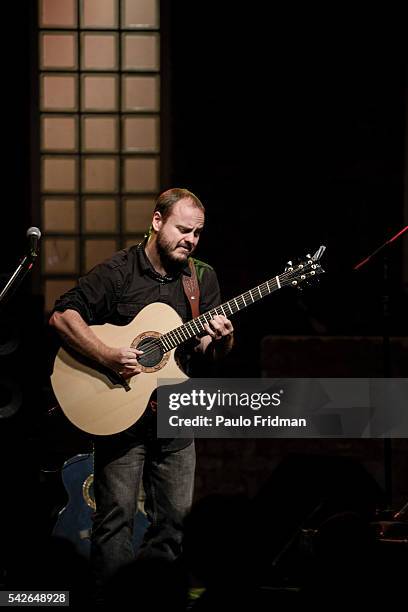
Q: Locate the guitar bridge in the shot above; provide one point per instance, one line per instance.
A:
(117, 379)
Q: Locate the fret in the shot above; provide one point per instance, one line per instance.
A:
(223, 311)
(205, 317)
(172, 339)
(201, 323)
(259, 289)
(278, 282)
(183, 333)
(244, 299)
(236, 303)
(191, 331)
(188, 330)
(165, 341)
(179, 334)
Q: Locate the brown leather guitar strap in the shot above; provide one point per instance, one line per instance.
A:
(192, 289)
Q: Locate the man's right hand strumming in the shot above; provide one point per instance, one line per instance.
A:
(122, 360)
(75, 331)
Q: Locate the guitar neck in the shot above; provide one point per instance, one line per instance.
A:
(195, 327)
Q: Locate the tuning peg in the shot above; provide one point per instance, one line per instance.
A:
(308, 256)
(290, 263)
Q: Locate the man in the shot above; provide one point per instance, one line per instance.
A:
(115, 291)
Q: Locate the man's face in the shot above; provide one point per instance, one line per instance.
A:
(178, 235)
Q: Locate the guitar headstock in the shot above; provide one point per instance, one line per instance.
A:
(299, 274)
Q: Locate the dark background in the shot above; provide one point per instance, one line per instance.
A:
(292, 133)
(291, 129)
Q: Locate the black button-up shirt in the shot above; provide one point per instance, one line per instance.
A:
(117, 289)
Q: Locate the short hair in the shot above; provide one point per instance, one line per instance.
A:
(167, 199)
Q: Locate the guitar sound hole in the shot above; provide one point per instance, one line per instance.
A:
(153, 354)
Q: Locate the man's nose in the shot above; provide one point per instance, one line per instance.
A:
(190, 238)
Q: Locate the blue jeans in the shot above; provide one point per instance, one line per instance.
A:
(121, 464)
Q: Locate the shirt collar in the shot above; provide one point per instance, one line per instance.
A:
(146, 267)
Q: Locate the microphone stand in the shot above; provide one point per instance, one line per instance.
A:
(18, 275)
(386, 348)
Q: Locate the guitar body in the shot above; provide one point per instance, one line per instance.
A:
(74, 522)
(100, 405)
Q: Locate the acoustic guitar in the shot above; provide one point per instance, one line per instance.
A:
(74, 521)
(101, 402)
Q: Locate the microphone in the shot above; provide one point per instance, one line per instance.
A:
(34, 235)
(25, 265)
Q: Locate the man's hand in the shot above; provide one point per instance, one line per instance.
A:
(80, 336)
(219, 339)
(219, 327)
(122, 360)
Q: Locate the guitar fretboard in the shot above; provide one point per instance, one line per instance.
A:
(195, 327)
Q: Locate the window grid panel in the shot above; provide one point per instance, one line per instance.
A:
(141, 134)
(87, 91)
(99, 14)
(59, 174)
(96, 250)
(100, 174)
(60, 255)
(54, 14)
(59, 92)
(59, 215)
(143, 14)
(99, 92)
(58, 51)
(120, 143)
(80, 170)
(99, 51)
(59, 133)
(138, 214)
(100, 215)
(100, 134)
(141, 174)
(141, 52)
(140, 93)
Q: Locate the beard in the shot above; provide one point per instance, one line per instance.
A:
(171, 262)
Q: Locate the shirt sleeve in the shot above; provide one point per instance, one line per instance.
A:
(95, 295)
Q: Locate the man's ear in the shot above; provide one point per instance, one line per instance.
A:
(157, 221)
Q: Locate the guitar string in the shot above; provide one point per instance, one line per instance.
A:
(156, 343)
